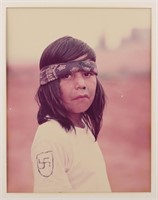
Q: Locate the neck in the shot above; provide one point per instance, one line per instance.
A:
(76, 119)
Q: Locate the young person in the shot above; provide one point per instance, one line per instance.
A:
(65, 153)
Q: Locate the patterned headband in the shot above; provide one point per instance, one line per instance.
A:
(55, 71)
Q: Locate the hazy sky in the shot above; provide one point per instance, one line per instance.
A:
(30, 30)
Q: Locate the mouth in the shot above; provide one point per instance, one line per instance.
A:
(81, 97)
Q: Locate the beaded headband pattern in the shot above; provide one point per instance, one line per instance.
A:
(56, 71)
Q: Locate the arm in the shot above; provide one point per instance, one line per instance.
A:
(49, 167)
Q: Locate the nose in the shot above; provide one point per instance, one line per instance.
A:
(79, 81)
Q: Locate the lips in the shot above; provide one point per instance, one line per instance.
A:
(81, 97)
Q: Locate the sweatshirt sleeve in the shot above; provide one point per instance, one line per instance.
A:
(51, 161)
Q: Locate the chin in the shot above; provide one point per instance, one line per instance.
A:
(80, 110)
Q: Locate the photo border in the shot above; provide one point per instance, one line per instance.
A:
(154, 116)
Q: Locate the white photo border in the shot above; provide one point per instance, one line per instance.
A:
(113, 4)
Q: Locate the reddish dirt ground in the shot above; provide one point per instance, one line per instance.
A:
(124, 137)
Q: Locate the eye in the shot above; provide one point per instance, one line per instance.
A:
(67, 76)
(88, 74)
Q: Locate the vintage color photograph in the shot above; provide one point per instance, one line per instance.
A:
(121, 40)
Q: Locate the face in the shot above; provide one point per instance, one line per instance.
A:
(78, 91)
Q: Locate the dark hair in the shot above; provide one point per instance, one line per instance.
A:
(48, 96)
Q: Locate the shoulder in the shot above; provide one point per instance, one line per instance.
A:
(50, 135)
(49, 125)
(49, 130)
